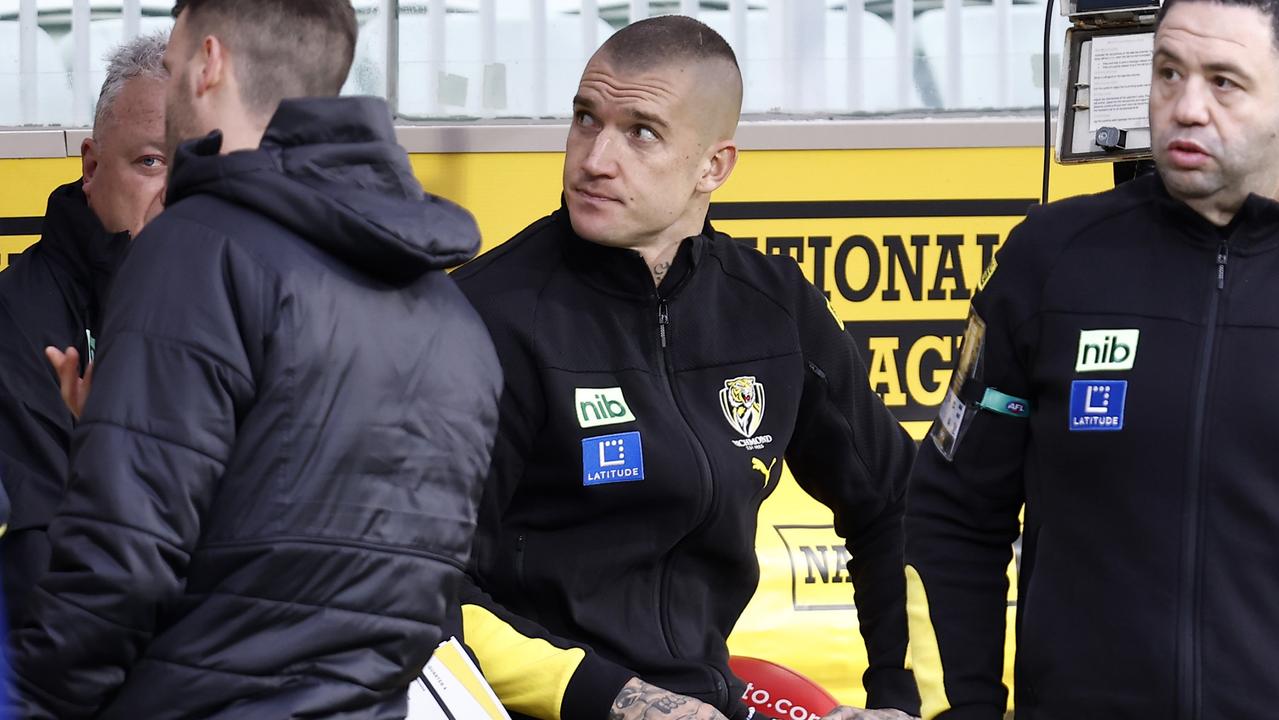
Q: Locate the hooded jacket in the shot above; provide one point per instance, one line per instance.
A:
(1140, 341)
(641, 429)
(274, 483)
(52, 294)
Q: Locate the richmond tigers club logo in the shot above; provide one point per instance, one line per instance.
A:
(742, 401)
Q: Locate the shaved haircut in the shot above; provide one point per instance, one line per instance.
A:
(283, 48)
(674, 40)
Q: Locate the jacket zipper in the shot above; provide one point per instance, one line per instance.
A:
(1188, 670)
(520, 540)
(704, 470)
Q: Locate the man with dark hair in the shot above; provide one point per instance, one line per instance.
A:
(275, 478)
(53, 295)
(615, 549)
(1118, 380)
(271, 42)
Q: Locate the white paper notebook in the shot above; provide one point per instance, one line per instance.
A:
(452, 688)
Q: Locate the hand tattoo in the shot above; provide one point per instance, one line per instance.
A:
(668, 703)
(640, 701)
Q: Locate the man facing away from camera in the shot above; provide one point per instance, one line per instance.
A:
(274, 482)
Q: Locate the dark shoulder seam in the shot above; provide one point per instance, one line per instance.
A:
(1125, 205)
(555, 270)
(230, 242)
(503, 249)
(1051, 263)
(740, 278)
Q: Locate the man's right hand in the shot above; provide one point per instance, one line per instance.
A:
(75, 389)
(640, 701)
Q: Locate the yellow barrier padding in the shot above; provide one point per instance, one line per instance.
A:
(924, 651)
(529, 675)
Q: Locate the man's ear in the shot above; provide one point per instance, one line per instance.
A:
(213, 67)
(719, 165)
(88, 162)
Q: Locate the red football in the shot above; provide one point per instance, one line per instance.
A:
(779, 692)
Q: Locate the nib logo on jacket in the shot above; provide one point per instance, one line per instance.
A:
(601, 406)
(1106, 350)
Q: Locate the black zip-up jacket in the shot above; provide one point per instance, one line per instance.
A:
(641, 428)
(274, 483)
(1143, 339)
(52, 294)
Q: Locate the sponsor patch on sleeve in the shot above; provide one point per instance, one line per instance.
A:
(612, 459)
(954, 415)
(968, 394)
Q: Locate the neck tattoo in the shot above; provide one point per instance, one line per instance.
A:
(660, 270)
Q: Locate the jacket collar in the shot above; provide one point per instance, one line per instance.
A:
(1255, 228)
(330, 171)
(86, 253)
(621, 271)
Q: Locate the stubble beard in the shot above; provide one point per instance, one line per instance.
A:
(179, 121)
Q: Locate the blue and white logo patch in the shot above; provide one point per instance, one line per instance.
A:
(1097, 405)
(612, 459)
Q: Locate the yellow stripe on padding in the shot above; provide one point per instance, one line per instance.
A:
(924, 652)
(529, 675)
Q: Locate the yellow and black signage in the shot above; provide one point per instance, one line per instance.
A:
(24, 190)
(16, 233)
(899, 273)
(819, 567)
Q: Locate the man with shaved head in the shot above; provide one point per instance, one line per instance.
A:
(656, 373)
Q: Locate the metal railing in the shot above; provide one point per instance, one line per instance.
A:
(455, 59)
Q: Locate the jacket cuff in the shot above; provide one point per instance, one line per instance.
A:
(892, 688)
(973, 712)
(593, 688)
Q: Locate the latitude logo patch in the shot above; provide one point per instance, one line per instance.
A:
(601, 406)
(612, 459)
(1097, 405)
(742, 401)
(1106, 350)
